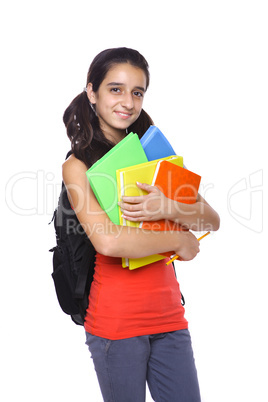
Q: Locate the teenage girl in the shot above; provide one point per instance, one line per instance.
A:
(135, 325)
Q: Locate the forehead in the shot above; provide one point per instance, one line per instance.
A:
(126, 74)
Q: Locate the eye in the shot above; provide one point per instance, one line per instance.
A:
(138, 94)
(115, 90)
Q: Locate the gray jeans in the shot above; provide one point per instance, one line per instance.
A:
(164, 360)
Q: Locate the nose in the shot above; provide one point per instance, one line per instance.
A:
(127, 100)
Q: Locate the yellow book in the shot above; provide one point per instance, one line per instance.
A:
(126, 185)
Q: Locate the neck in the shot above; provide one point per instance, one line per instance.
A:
(116, 136)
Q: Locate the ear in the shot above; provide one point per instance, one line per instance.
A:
(91, 94)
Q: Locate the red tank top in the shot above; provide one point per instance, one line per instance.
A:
(124, 303)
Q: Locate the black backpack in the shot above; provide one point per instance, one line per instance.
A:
(73, 261)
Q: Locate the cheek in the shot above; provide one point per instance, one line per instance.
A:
(138, 105)
(102, 106)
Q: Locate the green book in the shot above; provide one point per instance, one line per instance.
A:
(102, 175)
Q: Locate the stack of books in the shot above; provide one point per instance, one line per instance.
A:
(150, 160)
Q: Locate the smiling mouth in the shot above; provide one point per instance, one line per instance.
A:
(123, 115)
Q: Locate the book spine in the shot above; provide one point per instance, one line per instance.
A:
(156, 172)
(148, 136)
(122, 193)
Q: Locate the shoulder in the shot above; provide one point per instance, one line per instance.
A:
(73, 169)
(73, 164)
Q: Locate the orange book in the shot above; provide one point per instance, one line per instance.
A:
(176, 183)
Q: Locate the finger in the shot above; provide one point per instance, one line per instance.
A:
(132, 218)
(136, 217)
(129, 207)
(133, 200)
(146, 187)
(132, 214)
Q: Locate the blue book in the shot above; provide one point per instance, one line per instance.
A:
(155, 144)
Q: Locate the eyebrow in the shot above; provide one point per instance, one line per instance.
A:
(111, 84)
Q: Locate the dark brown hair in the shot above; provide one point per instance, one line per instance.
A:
(87, 139)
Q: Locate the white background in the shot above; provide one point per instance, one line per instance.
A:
(208, 94)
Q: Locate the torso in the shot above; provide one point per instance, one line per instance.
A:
(124, 303)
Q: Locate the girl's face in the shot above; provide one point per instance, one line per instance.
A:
(118, 101)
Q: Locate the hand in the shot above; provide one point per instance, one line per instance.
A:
(149, 207)
(189, 246)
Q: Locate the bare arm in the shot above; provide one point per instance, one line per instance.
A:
(113, 240)
(199, 216)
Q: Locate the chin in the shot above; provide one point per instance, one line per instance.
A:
(123, 127)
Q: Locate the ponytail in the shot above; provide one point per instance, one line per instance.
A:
(83, 130)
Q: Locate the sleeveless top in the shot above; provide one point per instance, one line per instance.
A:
(124, 303)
